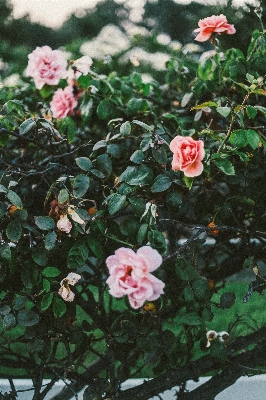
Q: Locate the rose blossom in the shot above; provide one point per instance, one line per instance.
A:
(46, 66)
(64, 224)
(130, 275)
(188, 154)
(83, 65)
(64, 291)
(209, 25)
(63, 102)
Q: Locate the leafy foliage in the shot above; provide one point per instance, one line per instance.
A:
(76, 189)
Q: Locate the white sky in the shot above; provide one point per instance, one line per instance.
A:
(54, 12)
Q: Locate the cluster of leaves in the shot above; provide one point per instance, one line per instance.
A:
(111, 163)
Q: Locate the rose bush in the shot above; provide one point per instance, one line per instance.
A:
(145, 197)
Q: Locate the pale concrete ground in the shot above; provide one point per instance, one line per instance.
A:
(246, 388)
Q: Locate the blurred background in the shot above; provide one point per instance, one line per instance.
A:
(116, 34)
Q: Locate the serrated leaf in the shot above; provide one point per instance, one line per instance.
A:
(104, 164)
(9, 321)
(3, 189)
(95, 246)
(238, 138)
(45, 223)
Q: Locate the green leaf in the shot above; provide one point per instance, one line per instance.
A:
(80, 185)
(253, 138)
(104, 164)
(104, 109)
(142, 232)
(27, 318)
(5, 252)
(137, 157)
(139, 175)
(204, 105)
(63, 196)
(9, 321)
(162, 183)
(40, 255)
(14, 199)
(185, 270)
(125, 129)
(160, 155)
(19, 302)
(116, 202)
(59, 307)
(143, 125)
(27, 126)
(68, 126)
(174, 201)
(189, 319)
(3, 189)
(51, 272)
(29, 275)
(99, 145)
(46, 285)
(84, 163)
(157, 240)
(224, 111)
(186, 99)
(77, 255)
(251, 112)
(238, 138)
(95, 246)
(46, 301)
(14, 231)
(227, 300)
(201, 289)
(45, 223)
(226, 166)
(188, 181)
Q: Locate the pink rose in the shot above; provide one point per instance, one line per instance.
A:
(209, 25)
(130, 275)
(63, 102)
(46, 66)
(64, 224)
(188, 154)
(64, 291)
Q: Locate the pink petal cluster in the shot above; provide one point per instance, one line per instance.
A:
(187, 155)
(64, 291)
(213, 24)
(63, 102)
(46, 66)
(130, 274)
(64, 224)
